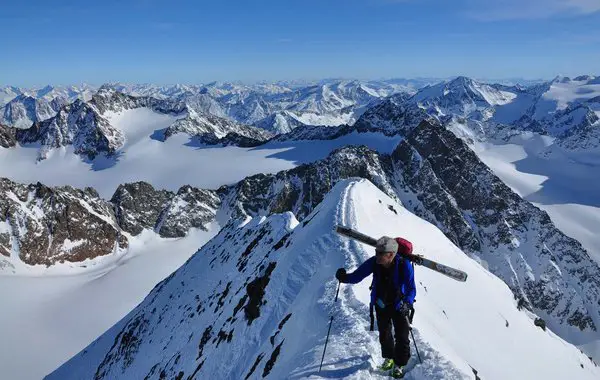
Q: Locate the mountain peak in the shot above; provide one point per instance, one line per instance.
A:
(463, 81)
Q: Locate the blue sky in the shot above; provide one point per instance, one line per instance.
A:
(62, 42)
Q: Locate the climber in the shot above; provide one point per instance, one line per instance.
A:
(393, 293)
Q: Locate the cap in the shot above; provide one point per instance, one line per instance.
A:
(386, 244)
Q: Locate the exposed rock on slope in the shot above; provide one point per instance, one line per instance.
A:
(139, 206)
(42, 225)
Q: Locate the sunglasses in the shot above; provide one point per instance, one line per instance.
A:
(378, 253)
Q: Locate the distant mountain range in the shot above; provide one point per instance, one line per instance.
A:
(431, 172)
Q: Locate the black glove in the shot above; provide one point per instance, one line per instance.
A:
(340, 274)
(404, 309)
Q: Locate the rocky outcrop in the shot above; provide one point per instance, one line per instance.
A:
(77, 124)
(24, 110)
(518, 241)
(189, 208)
(301, 189)
(391, 117)
(214, 128)
(108, 99)
(139, 206)
(230, 139)
(7, 136)
(43, 225)
(585, 133)
(280, 122)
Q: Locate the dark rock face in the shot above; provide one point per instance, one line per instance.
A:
(45, 225)
(189, 208)
(107, 99)
(586, 132)
(391, 117)
(256, 291)
(310, 132)
(434, 202)
(139, 206)
(216, 128)
(516, 239)
(7, 136)
(231, 139)
(301, 189)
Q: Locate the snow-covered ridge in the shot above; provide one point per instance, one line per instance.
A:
(439, 178)
(423, 172)
(22, 111)
(97, 127)
(552, 107)
(200, 124)
(69, 93)
(330, 102)
(238, 308)
(423, 176)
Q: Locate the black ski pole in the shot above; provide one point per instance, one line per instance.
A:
(330, 321)
(413, 338)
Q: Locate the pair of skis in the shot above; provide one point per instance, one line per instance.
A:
(453, 273)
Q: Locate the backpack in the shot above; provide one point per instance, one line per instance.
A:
(405, 247)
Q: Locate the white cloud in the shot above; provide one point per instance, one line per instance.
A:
(529, 9)
(584, 6)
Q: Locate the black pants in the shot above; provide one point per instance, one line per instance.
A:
(400, 351)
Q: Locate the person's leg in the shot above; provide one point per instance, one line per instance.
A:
(401, 332)
(386, 339)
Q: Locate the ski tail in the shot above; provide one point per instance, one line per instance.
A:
(453, 273)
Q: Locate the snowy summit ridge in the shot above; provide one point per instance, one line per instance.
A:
(271, 294)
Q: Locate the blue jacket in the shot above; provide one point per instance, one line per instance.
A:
(405, 285)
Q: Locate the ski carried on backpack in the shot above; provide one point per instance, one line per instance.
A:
(453, 273)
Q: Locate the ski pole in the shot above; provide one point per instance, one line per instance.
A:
(413, 338)
(330, 321)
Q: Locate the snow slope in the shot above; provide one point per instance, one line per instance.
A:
(566, 91)
(169, 164)
(563, 188)
(8, 93)
(50, 314)
(458, 326)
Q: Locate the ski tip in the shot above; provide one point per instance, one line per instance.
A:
(339, 228)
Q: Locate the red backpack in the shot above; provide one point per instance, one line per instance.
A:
(405, 247)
